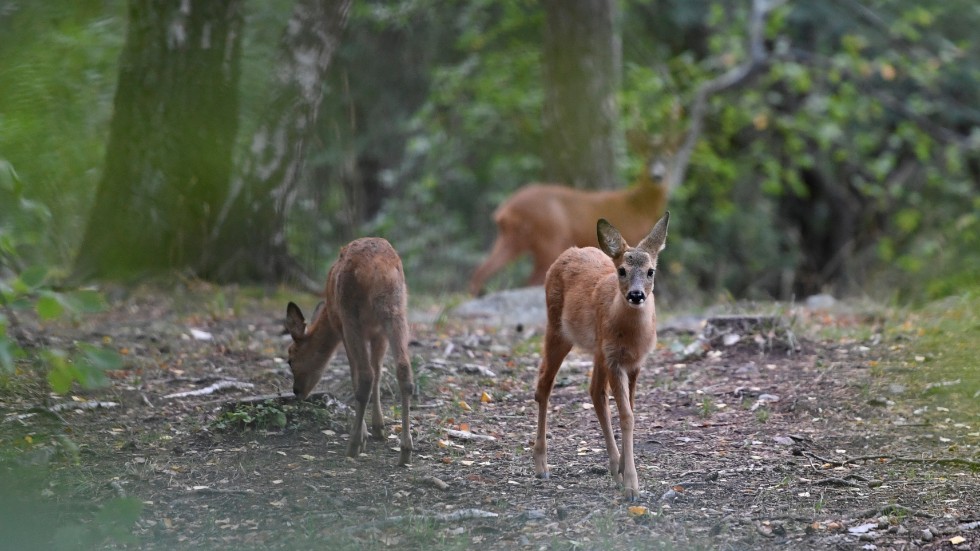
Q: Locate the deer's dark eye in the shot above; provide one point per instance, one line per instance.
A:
(622, 271)
(650, 272)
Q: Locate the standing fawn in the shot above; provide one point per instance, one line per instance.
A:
(603, 302)
(365, 307)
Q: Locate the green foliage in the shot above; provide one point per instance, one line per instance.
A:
(853, 128)
(33, 516)
(261, 416)
(472, 142)
(274, 415)
(30, 288)
(56, 87)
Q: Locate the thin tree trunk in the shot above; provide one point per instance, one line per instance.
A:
(582, 61)
(168, 159)
(252, 227)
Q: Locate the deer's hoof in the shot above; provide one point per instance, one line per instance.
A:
(544, 476)
(631, 495)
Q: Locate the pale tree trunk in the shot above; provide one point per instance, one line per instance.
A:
(252, 226)
(582, 61)
(168, 159)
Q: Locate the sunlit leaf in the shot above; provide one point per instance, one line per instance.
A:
(48, 307)
(32, 278)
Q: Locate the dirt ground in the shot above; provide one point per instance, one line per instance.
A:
(801, 437)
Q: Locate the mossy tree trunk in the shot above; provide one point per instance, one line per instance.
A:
(169, 155)
(581, 59)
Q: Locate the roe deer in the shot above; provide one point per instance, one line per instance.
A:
(603, 302)
(365, 307)
(546, 219)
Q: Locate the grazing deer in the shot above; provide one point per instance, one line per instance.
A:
(603, 302)
(365, 307)
(546, 219)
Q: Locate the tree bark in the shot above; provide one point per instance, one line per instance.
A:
(251, 233)
(581, 61)
(168, 159)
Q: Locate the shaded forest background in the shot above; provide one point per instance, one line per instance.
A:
(850, 164)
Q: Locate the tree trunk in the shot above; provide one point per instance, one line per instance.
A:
(168, 159)
(581, 64)
(251, 234)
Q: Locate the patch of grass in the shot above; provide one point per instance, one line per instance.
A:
(762, 415)
(942, 351)
(421, 377)
(819, 504)
(265, 415)
(707, 407)
(528, 346)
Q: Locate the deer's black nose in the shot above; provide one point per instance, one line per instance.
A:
(636, 297)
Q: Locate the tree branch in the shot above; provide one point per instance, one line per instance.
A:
(737, 76)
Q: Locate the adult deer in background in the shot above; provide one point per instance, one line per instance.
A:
(603, 302)
(365, 308)
(546, 219)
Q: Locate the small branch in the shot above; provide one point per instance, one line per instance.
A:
(737, 76)
(261, 398)
(462, 514)
(211, 389)
(892, 510)
(467, 435)
(837, 482)
(205, 490)
(74, 406)
(937, 461)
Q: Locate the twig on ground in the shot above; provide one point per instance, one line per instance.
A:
(467, 435)
(209, 490)
(892, 510)
(249, 400)
(937, 460)
(837, 481)
(211, 389)
(73, 406)
(462, 514)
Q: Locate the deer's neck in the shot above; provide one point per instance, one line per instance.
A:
(647, 195)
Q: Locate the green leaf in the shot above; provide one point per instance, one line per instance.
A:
(33, 277)
(116, 518)
(48, 306)
(86, 301)
(101, 358)
(7, 352)
(9, 181)
(60, 373)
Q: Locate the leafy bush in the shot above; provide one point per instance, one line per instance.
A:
(29, 288)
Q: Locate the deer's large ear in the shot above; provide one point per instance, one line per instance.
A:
(657, 240)
(295, 323)
(610, 240)
(316, 311)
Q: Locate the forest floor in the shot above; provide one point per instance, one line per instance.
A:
(827, 430)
